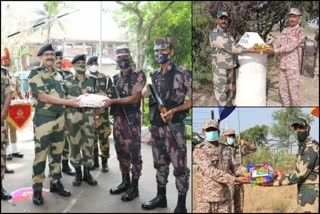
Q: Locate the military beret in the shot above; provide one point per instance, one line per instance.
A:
(302, 121)
(295, 11)
(122, 51)
(92, 59)
(4, 70)
(162, 43)
(210, 123)
(80, 68)
(229, 132)
(221, 13)
(59, 53)
(78, 57)
(46, 47)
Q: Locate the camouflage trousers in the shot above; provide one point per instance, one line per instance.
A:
(49, 142)
(127, 144)
(214, 207)
(102, 134)
(165, 150)
(308, 198)
(4, 143)
(80, 137)
(289, 87)
(66, 149)
(12, 133)
(224, 84)
(237, 193)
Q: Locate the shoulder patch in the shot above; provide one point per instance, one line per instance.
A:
(140, 76)
(215, 30)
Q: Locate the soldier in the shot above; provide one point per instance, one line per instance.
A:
(173, 83)
(127, 123)
(306, 174)
(316, 55)
(224, 60)
(288, 45)
(12, 132)
(215, 169)
(103, 130)
(6, 92)
(81, 132)
(47, 87)
(242, 149)
(65, 154)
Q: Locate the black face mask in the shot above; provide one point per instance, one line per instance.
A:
(302, 136)
(123, 63)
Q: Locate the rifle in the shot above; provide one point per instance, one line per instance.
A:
(162, 109)
(122, 109)
(303, 54)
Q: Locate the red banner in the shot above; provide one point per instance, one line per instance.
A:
(19, 115)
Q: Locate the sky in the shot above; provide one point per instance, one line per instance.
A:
(249, 117)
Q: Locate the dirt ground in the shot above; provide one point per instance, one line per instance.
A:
(309, 86)
(263, 199)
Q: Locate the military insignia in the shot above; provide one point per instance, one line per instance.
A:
(140, 77)
(215, 30)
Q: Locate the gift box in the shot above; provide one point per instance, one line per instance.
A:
(260, 174)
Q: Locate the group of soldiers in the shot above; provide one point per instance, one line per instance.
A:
(65, 130)
(288, 44)
(220, 174)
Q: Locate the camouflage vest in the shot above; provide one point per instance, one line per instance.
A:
(154, 114)
(131, 79)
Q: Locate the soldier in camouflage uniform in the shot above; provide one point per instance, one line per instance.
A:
(224, 61)
(65, 154)
(6, 92)
(288, 44)
(102, 130)
(127, 123)
(12, 150)
(216, 167)
(306, 174)
(242, 149)
(173, 83)
(47, 87)
(80, 122)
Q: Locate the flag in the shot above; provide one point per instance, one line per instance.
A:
(224, 112)
(315, 111)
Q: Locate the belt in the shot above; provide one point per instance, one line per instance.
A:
(48, 113)
(85, 109)
(308, 186)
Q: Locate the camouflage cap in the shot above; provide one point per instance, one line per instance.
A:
(122, 51)
(162, 43)
(221, 13)
(302, 121)
(210, 123)
(80, 68)
(229, 132)
(295, 11)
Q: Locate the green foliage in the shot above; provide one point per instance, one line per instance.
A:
(145, 117)
(257, 135)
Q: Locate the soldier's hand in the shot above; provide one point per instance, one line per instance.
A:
(267, 51)
(97, 122)
(145, 92)
(242, 180)
(75, 103)
(107, 103)
(167, 116)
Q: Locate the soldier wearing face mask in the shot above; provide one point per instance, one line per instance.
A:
(306, 173)
(241, 148)
(216, 168)
(102, 124)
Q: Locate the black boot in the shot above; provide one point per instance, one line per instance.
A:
(9, 157)
(123, 186)
(59, 188)
(8, 171)
(66, 169)
(37, 197)
(88, 178)
(17, 155)
(78, 177)
(132, 192)
(181, 205)
(95, 159)
(159, 201)
(104, 165)
(4, 195)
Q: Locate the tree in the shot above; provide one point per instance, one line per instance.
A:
(257, 134)
(150, 20)
(282, 128)
(50, 10)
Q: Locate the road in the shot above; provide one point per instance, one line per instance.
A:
(86, 198)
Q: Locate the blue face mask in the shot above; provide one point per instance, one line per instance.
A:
(212, 136)
(123, 63)
(162, 58)
(231, 141)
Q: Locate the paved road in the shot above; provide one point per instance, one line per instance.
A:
(86, 198)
